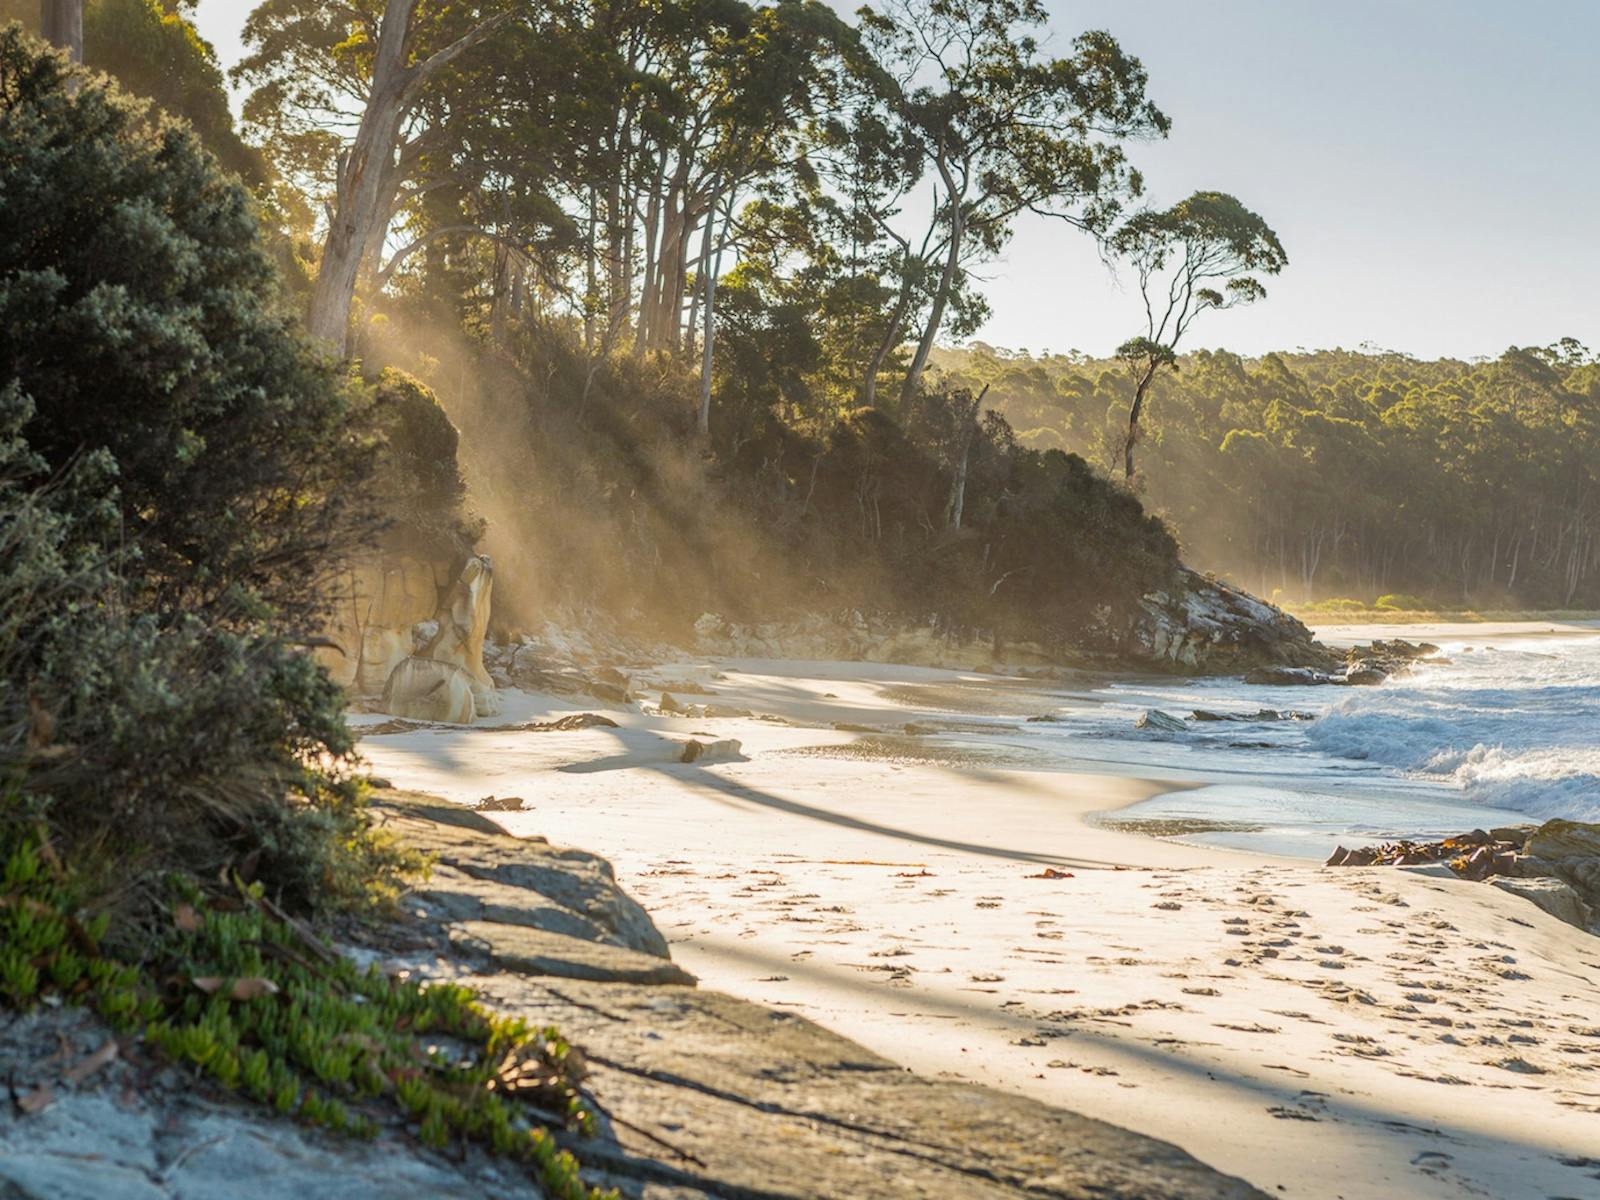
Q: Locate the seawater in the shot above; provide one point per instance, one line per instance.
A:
(1505, 731)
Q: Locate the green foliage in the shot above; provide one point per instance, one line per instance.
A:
(795, 511)
(178, 469)
(127, 259)
(154, 51)
(1348, 474)
(1189, 259)
(246, 999)
(1400, 600)
(418, 483)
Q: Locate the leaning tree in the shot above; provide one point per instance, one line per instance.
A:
(1192, 258)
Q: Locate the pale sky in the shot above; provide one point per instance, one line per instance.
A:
(1432, 166)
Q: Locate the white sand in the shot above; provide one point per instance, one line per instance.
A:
(1322, 1033)
(1453, 631)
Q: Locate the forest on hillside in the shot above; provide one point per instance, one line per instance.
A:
(1338, 475)
(676, 272)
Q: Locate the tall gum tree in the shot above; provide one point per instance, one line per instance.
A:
(337, 89)
(61, 23)
(1004, 130)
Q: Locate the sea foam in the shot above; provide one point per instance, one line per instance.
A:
(1516, 729)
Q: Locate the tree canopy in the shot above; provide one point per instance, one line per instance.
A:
(1347, 475)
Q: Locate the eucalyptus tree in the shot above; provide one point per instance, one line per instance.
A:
(338, 91)
(61, 24)
(1201, 255)
(732, 101)
(867, 164)
(1004, 129)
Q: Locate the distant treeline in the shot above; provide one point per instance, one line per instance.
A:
(1345, 474)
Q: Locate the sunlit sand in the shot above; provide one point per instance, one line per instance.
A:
(1321, 1033)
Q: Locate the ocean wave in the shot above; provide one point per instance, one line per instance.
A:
(1514, 730)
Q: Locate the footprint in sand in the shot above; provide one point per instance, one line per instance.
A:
(1432, 1162)
(1292, 1114)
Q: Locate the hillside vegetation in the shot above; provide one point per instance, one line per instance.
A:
(1342, 475)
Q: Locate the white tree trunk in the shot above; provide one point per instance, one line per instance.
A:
(370, 173)
(61, 24)
(361, 203)
(711, 322)
(952, 259)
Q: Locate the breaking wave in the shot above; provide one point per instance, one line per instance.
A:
(1517, 728)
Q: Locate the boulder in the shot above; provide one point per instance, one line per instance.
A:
(1160, 721)
(1365, 674)
(1205, 627)
(725, 750)
(1289, 677)
(1261, 714)
(1557, 840)
(424, 689)
(1555, 896)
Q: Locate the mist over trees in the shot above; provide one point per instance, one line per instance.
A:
(1341, 474)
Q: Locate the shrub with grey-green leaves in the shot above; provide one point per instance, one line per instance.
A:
(179, 472)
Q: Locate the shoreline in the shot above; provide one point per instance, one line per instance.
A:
(1318, 1033)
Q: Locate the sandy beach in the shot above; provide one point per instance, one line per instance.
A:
(1320, 1032)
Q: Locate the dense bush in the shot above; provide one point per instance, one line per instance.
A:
(178, 470)
(1403, 602)
(419, 487)
(1340, 473)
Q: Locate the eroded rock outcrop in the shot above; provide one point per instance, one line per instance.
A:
(462, 624)
(423, 689)
(1555, 865)
(396, 612)
(1205, 627)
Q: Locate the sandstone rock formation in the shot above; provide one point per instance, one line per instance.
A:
(463, 621)
(424, 689)
(398, 609)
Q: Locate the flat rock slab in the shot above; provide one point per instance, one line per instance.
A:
(527, 951)
(488, 874)
(138, 1131)
(723, 1098)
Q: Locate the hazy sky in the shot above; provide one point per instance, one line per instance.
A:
(1432, 166)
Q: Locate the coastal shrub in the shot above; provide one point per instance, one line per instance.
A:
(1402, 602)
(179, 474)
(237, 993)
